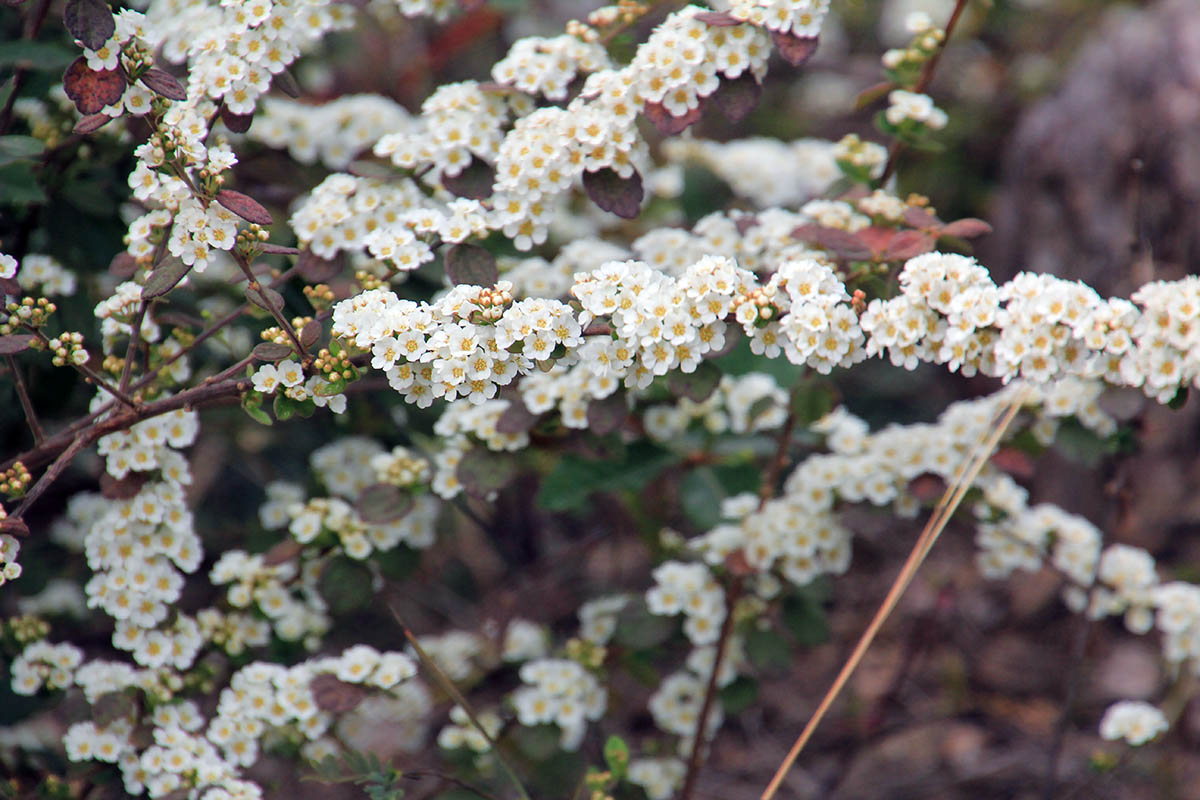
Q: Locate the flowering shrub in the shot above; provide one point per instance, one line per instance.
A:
(493, 309)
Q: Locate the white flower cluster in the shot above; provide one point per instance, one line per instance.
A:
(560, 692)
(435, 350)
(461, 421)
(45, 275)
(524, 640)
(904, 106)
(8, 266)
(598, 618)
(1134, 721)
(400, 467)
(726, 410)
(463, 733)
(800, 18)
(689, 589)
(348, 213)
(342, 466)
(233, 632)
(537, 277)
(458, 122)
(10, 547)
(42, 664)
(266, 587)
(332, 133)
(129, 26)
(357, 537)
(288, 376)
(659, 778)
(768, 172)
(116, 314)
(676, 708)
(545, 66)
(459, 654)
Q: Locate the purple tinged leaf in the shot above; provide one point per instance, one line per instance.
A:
(244, 206)
(475, 181)
(667, 123)
(608, 414)
(967, 228)
(482, 472)
(165, 278)
(265, 297)
(382, 503)
(278, 249)
(794, 49)
(697, 385)
(123, 265)
(91, 123)
(164, 83)
(237, 123)
(718, 19)
(310, 334)
(271, 351)
(90, 89)
(472, 265)
(285, 81)
(15, 343)
(90, 21)
(517, 418)
(315, 269)
(843, 243)
(737, 97)
(611, 192)
(335, 695)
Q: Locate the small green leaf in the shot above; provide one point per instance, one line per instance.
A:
(382, 503)
(346, 585)
(13, 148)
(739, 695)
(285, 407)
(767, 650)
(616, 756)
(811, 402)
(574, 479)
(252, 405)
(700, 495)
(805, 617)
(638, 629)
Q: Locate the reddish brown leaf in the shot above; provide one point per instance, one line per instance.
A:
(238, 123)
(611, 192)
(165, 278)
(927, 487)
(14, 526)
(90, 21)
(123, 265)
(794, 49)
(282, 553)
(271, 351)
(737, 97)
(745, 223)
(278, 249)
(907, 244)
(1014, 462)
(921, 218)
(265, 298)
(334, 695)
(91, 90)
(286, 83)
(872, 93)
(475, 181)
(472, 265)
(876, 238)
(668, 124)
(842, 243)
(91, 123)
(315, 269)
(15, 343)
(967, 228)
(245, 207)
(310, 333)
(517, 418)
(122, 488)
(718, 19)
(164, 83)
(10, 287)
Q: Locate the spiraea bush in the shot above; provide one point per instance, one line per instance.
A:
(478, 340)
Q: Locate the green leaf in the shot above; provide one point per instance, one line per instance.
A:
(697, 386)
(811, 402)
(739, 695)
(19, 186)
(24, 54)
(346, 585)
(638, 629)
(805, 617)
(382, 503)
(616, 756)
(252, 405)
(767, 650)
(701, 494)
(285, 407)
(13, 148)
(574, 479)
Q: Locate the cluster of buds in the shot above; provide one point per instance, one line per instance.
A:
(24, 629)
(369, 280)
(15, 480)
(401, 467)
(492, 302)
(624, 13)
(904, 65)
(862, 161)
(10, 570)
(319, 295)
(113, 364)
(248, 238)
(333, 367)
(756, 306)
(29, 313)
(586, 654)
(138, 59)
(67, 348)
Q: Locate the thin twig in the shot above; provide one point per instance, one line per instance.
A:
(39, 434)
(286, 326)
(937, 522)
(449, 688)
(922, 84)
(696, 757)
(49, 476)
(87, 372)
(135, 338)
